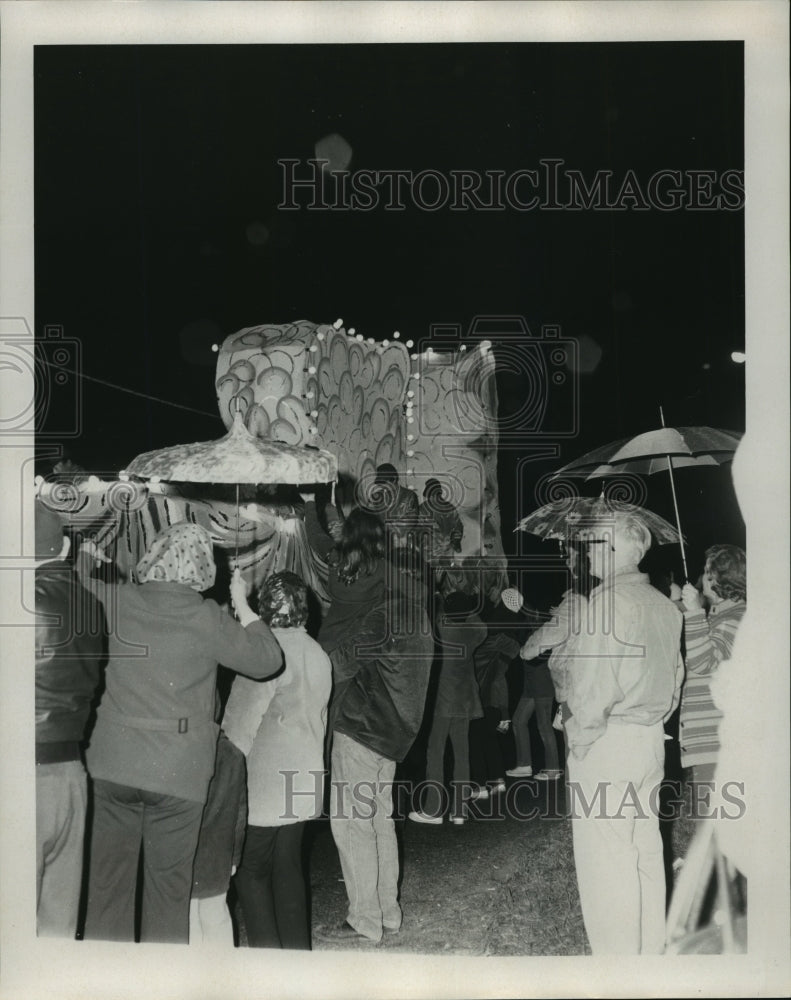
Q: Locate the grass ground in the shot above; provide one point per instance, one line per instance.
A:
(486, 888)
(490, 887)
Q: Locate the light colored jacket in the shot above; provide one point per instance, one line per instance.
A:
(624, 664)
(553, 635)
(280, 725)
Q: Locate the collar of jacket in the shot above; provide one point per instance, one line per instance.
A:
(629, 574)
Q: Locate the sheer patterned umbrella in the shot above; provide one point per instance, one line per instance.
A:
(238, 458)
(570, 517)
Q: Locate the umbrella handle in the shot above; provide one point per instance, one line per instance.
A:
(675, 503)
(236, 554)
(678, 519)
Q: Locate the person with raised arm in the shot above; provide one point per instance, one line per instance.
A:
(152, 752)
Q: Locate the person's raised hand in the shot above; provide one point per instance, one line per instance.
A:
(238, 590)
(691, 598)
(89, 550)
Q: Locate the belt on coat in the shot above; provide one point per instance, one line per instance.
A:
(181, 725)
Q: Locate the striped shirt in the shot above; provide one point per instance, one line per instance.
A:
(709, 641)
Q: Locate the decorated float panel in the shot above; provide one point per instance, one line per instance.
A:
(307, 383)
(304, 386)
(431, 415)
(452, 436)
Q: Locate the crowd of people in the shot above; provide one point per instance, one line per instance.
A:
(189, 793)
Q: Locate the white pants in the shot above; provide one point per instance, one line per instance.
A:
(364, 834)
(61, 801)
(617, 845)
(210, 921)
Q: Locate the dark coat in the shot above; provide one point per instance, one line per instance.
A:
(155, 726)
(492, 660)
(381, 705)
(223, 823)
(348, 605)
(537, 679)
(444, 526)
(457, 691)
(70, 647)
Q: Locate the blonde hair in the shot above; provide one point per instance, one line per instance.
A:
(633, 529)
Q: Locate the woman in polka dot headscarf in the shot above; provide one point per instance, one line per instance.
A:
(181, 553)
(152, 751)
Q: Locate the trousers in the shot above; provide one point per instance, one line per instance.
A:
(520, 724)
(486, 759)
(617, 843)
(270, 884)
(361, 820)
(124, 819)
(210, 921)
(61, 801)
(457, 730)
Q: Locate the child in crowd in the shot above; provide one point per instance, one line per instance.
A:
(457, 701)
(280, 727)
(545, 681)
(219, 847)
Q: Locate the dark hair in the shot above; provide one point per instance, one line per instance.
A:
(406, 571)
(386, 473)
(727, 567)
(433, 494)
(283, 600)
(361, 545)
(458, 603)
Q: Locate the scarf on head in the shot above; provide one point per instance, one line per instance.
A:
(181, 553)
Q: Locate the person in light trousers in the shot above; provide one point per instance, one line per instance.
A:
(624, 672)
(377, 716)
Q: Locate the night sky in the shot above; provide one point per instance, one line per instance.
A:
(158, 231)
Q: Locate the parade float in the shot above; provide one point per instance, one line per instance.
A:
(307, 404)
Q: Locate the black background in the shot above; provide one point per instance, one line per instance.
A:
(152, 162)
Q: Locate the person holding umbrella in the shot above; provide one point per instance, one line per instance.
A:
(152, 753)
(709, 641)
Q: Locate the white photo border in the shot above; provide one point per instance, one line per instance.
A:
(40, 968)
